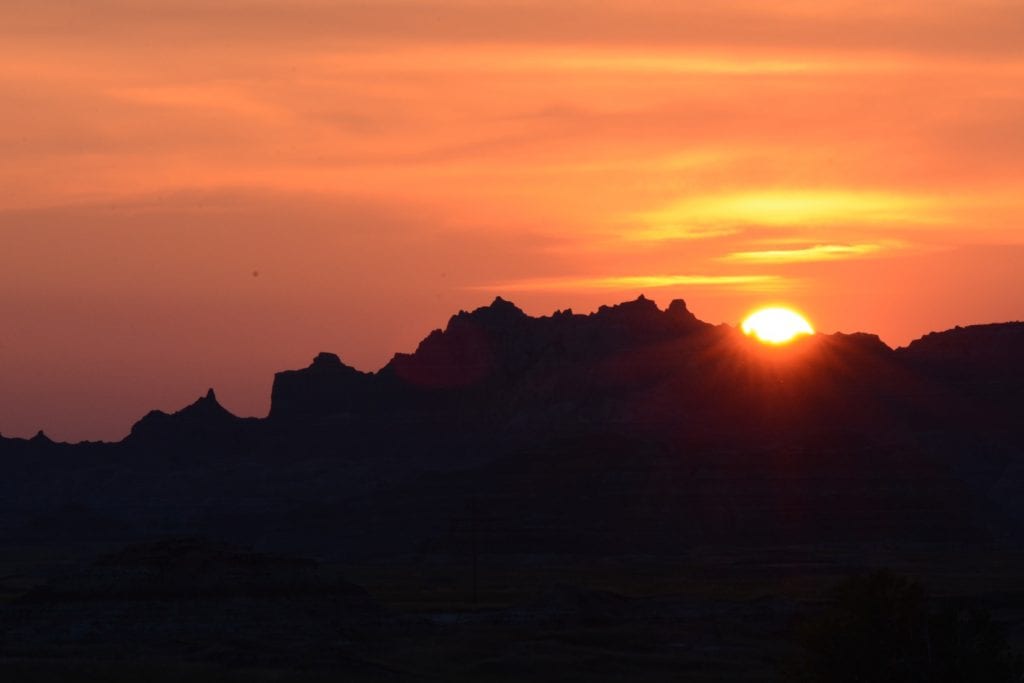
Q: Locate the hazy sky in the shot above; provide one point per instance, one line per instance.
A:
(202, 193)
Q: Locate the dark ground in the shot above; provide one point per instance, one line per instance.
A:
(710, 616)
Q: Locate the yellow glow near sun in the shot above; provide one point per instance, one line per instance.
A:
(776, 325)
(707, 214)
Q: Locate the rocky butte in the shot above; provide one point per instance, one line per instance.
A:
(628, 430)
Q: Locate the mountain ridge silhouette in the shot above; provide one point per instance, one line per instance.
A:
(954, 345)
(630, 429)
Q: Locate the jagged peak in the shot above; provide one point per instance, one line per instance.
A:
(324, 363)
(206, 410)
(962, 332)
(499, 312)
(503, 304)
(678, 307)
(206, 402)
(41, 437)
(862, 340)
(205, 406)
(499, 307)
(325, 359)
(641, 303)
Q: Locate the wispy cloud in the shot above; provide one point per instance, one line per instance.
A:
(712, 215)
(674, 231)
(546, 59)
(817, 252)
(559, 284)
(230, 100)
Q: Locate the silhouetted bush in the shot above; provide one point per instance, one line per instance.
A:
(878, 628)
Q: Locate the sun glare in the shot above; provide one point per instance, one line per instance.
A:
(776, 325)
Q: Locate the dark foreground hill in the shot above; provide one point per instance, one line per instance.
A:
(629, 430)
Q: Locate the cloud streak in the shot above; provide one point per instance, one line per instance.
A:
(961, 27)
(624, 282)
(792, 208)
(817, 252)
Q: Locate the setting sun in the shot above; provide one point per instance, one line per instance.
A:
(776, 325)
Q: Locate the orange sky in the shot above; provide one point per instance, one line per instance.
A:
(382, 165)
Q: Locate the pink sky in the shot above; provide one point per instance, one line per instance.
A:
(383, 165)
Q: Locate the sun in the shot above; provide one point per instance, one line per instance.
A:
(776, 325)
